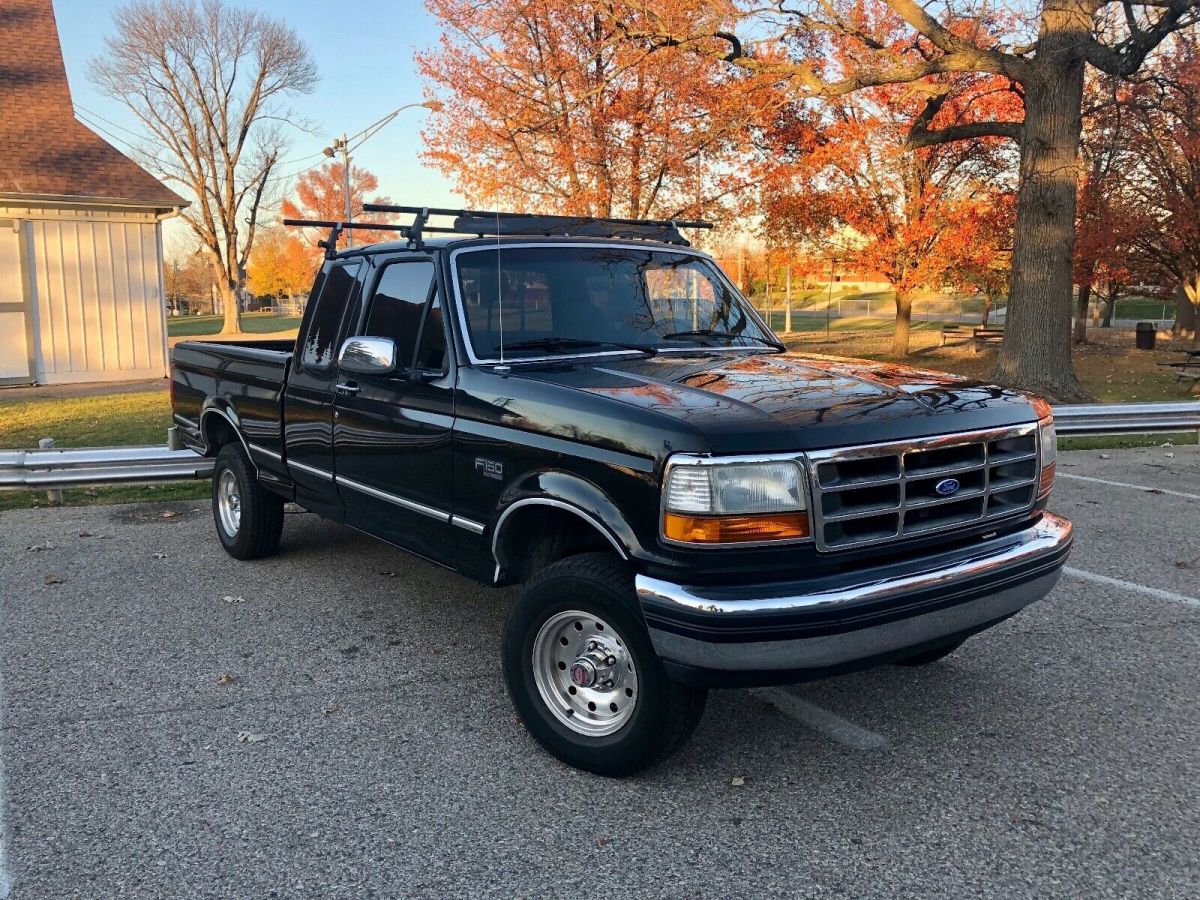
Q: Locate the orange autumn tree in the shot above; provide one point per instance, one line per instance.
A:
(280, 265)
(548, 108)
(923, 217)
(320, 194)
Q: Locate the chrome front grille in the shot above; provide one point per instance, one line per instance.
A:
(881, 492)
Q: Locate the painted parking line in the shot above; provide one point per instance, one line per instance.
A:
(1124, 484)
(820, 719)
(1157, 593)
(5, 878)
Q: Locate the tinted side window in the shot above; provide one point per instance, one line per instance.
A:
(432, 352)
(321, 338)
(397, 305)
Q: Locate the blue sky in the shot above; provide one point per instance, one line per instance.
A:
(363, 51)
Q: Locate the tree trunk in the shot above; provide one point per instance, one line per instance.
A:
(900, 336)
(1036, 353)
(989, 300)
(1081, 311)
(233, 315)
(1110, 304)
(1186, 295)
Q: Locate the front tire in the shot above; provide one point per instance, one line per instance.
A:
(249, 518)
(584, 676)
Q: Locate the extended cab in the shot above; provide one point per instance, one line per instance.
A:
(589, 408)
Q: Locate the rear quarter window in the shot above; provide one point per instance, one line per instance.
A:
(325, 322)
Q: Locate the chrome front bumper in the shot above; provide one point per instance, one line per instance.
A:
(781, 628)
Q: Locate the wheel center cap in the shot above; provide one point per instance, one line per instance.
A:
(583, 673)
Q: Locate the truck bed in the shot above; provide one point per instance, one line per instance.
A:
(241, 382)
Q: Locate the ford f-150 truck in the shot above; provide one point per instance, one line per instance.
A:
(590, 409)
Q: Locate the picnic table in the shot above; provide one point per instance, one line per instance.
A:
(982, 336)
(1187, 369)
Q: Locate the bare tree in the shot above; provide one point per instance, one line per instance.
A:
(1042, 52)
(209, 82)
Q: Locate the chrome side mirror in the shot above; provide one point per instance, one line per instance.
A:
(368, 356)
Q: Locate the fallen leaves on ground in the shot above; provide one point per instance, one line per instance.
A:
(160, 555)
(229, 598)
(738, 780)
(225, 679)
(331, 709)
(250, 737)
(168, 514)
(86, 534)
(53, 579)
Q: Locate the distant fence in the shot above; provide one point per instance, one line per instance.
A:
(965, 309)
(57, 469)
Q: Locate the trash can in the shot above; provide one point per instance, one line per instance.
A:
(1147, 332)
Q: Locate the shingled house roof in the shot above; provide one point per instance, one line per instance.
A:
(44, 149)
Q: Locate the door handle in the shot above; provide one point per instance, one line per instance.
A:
(347, 387)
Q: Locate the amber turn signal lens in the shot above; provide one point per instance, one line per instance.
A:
(1047, 481)
(735, 529)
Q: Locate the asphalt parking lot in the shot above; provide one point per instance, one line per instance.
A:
(332, 722)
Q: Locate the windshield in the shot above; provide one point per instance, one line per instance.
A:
(571, 300)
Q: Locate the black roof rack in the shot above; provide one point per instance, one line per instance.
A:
(490, 222)
(486, 223)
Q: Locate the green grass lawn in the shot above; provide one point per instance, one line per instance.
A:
(98, 420)
(252, 323)
(93, 421)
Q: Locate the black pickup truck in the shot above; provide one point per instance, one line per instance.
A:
(590, 409)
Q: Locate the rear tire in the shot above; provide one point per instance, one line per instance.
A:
(584, 676)
(929, 656)
(249, 518)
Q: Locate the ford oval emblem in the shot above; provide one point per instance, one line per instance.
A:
(947, 487)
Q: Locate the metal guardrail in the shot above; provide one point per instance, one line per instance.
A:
(1088, 419)
(50, 469)
(56, 469)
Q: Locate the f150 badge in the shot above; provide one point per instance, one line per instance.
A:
(489, 468)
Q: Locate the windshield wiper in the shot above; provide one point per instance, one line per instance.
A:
(713, 333)
(565, 343)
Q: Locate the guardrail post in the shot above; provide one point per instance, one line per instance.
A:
(54, 496)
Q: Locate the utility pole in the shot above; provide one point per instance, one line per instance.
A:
(787, 317)
(342, 145)
(829, 296)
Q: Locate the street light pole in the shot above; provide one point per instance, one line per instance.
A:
(342, 145)
(829, 295)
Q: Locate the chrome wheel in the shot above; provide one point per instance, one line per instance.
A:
(229, 503)
(585, 673)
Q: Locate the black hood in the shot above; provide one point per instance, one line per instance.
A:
(761, 403)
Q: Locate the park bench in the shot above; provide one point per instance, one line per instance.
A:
(988, 335)
(953, 330)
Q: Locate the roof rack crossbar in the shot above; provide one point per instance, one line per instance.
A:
(336, 229)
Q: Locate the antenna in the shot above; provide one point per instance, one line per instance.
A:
(501, 369)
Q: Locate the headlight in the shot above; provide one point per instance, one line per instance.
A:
(1047, 446)
(710, 502)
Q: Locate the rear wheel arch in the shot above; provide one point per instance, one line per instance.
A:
(219, 427)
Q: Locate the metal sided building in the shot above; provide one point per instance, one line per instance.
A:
(81, 276)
